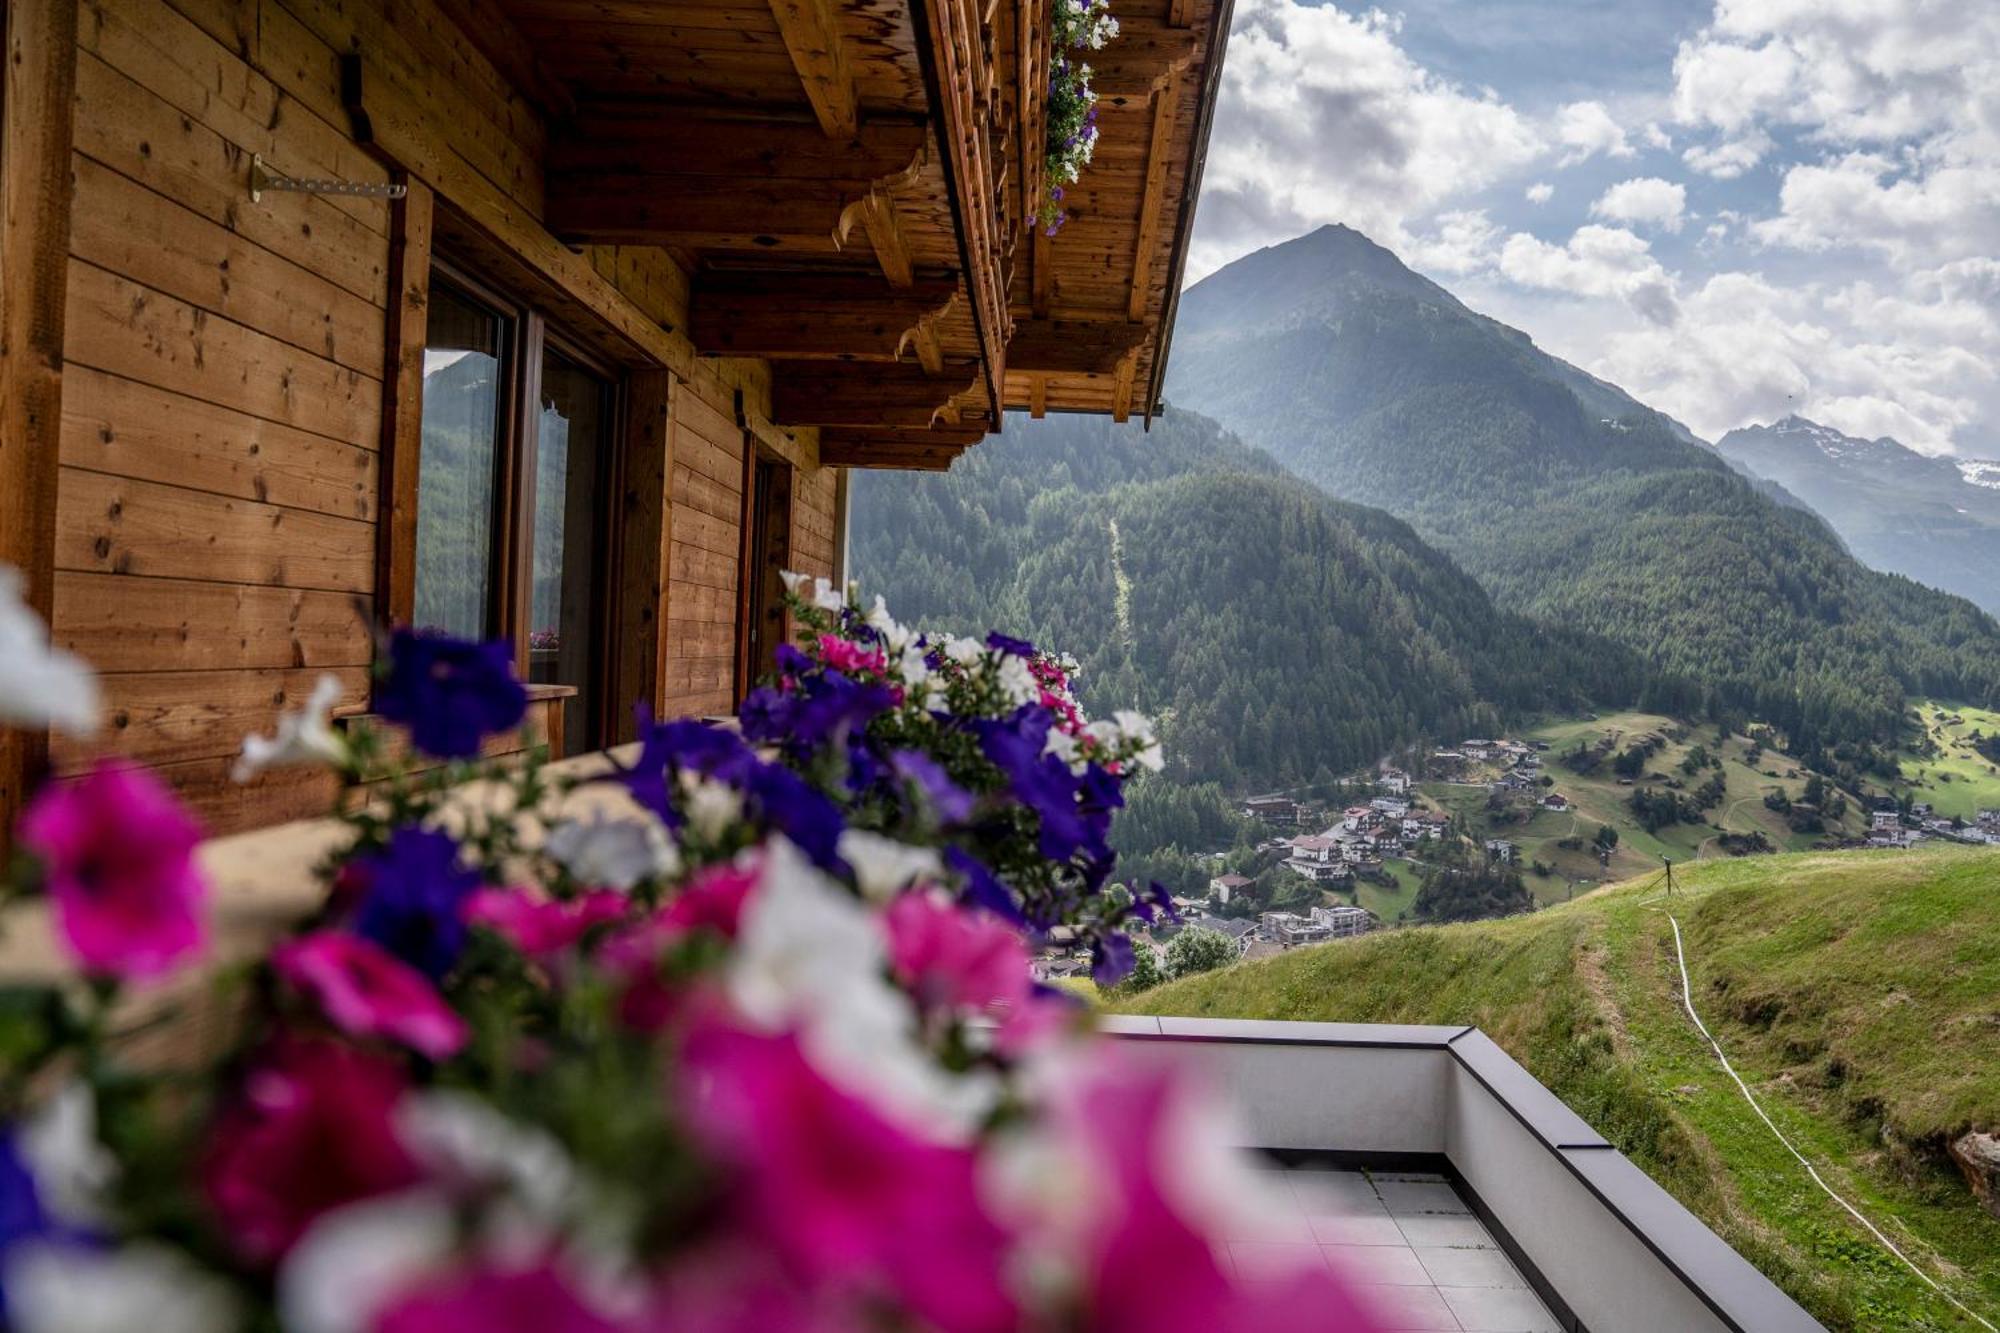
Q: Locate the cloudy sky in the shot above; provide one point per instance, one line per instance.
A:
(1735, 209)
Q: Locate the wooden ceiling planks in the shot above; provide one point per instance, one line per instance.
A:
(1116, 262)
(855, 181)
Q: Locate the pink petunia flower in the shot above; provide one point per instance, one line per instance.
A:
(311, 1130)
(714, 898)
(543, 927)
(846, 655)
(955, 957)
(494, 1300)
(1148, 1244)
(367, 992)
(117, 851)
(844, 1199)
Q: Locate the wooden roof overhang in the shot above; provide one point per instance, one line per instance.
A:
(850, 186)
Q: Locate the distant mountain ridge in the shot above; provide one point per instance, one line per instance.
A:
(1936, 520)
(1566, 497)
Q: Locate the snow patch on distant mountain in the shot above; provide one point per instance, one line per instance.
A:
(1980, 471)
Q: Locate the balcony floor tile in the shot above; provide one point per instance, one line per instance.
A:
(1499, 1310)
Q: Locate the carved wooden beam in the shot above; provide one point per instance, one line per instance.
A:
(894, 437)
(717, 181)
(781, 313)
(811, 32)
(1153, 200)
(1121, 392)
(1072, 346)
(901, 460)
(824, 393)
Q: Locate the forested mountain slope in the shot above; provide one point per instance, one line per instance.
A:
(1280, 635)
(1568, 499)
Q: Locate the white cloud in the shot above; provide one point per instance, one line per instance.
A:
(1909, 210)
(1644, 200)
(1323, 118)
(1595, 261)
(1463, 242)
(1585, 129)
(1539, 193)
(1729, 158)
(1914, 364)
(1901, 98)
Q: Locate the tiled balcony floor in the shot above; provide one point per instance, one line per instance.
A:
(1424, 1262)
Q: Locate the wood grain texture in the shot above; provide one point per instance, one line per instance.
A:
(646, 534)
(36, 94)
(403, 402)
(128, 429)
(121, 622)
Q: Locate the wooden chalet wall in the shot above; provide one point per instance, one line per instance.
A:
(222, 427)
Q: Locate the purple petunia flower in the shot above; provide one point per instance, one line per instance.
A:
(950, 802)
(1005, 643)
(1111, 958)
(413, 905)
(450, 693)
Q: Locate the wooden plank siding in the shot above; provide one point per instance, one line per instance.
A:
(235, 367)
(35, 212)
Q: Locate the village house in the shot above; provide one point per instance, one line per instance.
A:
(555, 322)
(1556, 801)
(1223, 887)
(1394, 781)
(1343, 921)
(1241, 931)
(1885, 821)
(1317, 858)
(1390, 807)
(1501, 850)
(1279, 810)
(1289, 930)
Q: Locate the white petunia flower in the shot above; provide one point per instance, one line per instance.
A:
(1137, 728)
(303, 737)
(59, 1147)
(829, 599)
(1064, 747)
(884, 867)
(711, 806)
(40, 685)
(1017, 682)
(467, 1144)
(612, 853)
(965, 652)
(895, 637)
(56, 1288)
(809, 955)
(356, 1259)
(797, 584)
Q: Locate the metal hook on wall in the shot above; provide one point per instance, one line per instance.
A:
(262, 178)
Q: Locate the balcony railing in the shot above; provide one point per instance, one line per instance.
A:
(1604, 1247)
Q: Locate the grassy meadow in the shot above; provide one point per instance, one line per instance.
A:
(1598, 798)
(1956, 779)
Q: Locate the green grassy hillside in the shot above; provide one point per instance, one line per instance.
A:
(1599, 799)
(1947, 771)
(1858, 992)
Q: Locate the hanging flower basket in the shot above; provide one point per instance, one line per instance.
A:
(1080, 26)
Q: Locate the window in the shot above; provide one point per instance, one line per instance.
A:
(518, 430)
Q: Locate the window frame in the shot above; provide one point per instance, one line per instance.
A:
(528, 337)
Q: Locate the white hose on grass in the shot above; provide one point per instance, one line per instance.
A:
(1687, 999)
